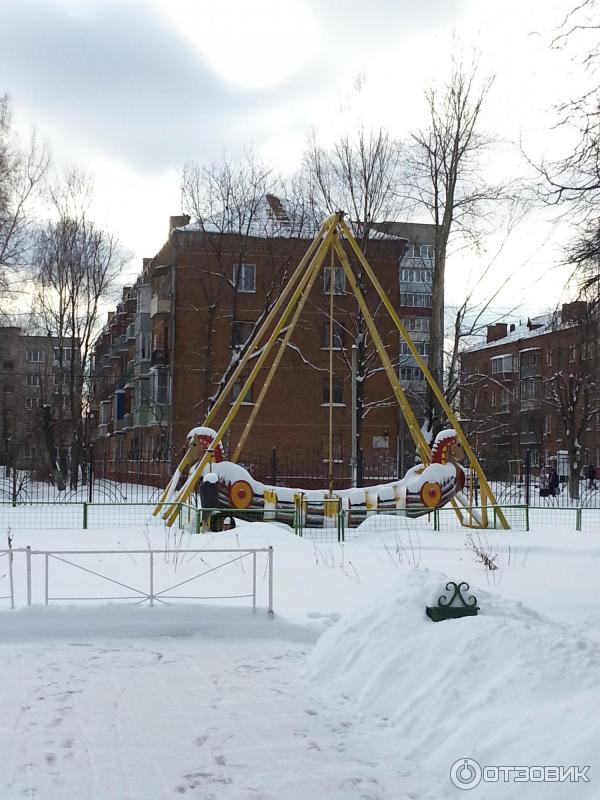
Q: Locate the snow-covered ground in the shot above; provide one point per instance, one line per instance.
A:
(349, 692)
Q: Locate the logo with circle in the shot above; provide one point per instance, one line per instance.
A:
(240, 494)
(465, 773)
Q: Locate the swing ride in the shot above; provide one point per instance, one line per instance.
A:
(438, 480)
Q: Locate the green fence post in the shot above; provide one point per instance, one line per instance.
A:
(85, 516)
(495, 517)
(578, 520)
(436, 519)
(527, 518)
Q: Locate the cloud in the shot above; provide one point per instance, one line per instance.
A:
(116, 80)
(119, 79)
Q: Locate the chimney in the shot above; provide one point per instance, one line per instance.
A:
(512, 328)
(572, 312)
(178, 222)
(497, 331)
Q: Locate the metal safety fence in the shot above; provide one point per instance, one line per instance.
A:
(158, 576)
(324, 522)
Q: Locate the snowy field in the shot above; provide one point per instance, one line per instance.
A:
(348, 692)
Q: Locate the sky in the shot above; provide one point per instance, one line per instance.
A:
(134, 89)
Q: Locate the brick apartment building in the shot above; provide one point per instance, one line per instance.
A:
(163, 351)
(509, 400)
(33, 374)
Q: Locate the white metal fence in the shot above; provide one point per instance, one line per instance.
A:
(158, 581)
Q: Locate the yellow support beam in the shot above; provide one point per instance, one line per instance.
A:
(165, 496)
(413, 426)
(295, 278)
(315, 267)
(296, 293)
(486, 491)
(194, 477)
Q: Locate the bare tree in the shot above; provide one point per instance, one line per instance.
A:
(22, 172)
(445, 179)
(573, 389)
(572, 182)
(75, 268)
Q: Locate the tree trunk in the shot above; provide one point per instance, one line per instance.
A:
(574, 469)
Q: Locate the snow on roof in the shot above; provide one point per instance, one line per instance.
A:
(520, 332)
(273, 217)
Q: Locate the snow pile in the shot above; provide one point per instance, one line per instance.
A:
(508, 687)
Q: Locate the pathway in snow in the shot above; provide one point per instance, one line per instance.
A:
(174, 717)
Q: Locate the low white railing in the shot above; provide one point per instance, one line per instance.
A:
(8, 554)
(142, 595)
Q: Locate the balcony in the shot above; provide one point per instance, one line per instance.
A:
(103, 429)
(534, 371)
(159, 357)
(142, 367)
(159, 306)
(141, 417)
(531, 404)
(528, 438)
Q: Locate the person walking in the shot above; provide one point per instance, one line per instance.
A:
(553, 482)
(590, 474)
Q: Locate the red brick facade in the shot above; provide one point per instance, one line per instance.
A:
(187, 320)
(512, 400)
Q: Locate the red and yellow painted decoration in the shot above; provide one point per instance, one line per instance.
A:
(240, 494)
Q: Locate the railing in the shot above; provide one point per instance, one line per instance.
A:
(48, 515)
(149, 592)
(8, 554)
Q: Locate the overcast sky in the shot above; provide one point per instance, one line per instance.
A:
(133, 89)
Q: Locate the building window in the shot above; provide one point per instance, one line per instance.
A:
(531, 358)
(411, 374)
(530, 390)
(501, 364)
(417, 324)
(586, 351)
(535, 458)
(33, 380)
(8, 364)
(161, 387)
(244, 278)
(242, 331)
(422, 348)
(36, 356)
(33, 403)
(548, 357)
(66, 355)
(339, 280)
(409, 275)
(61, 383)
(338, 392)
(426, 252)
(547, 426)
(572, 353)
(338, 336)
(415, 299)
(237, 388)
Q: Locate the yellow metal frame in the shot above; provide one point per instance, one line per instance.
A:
(296, 291)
